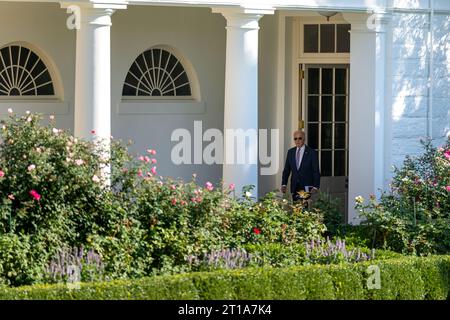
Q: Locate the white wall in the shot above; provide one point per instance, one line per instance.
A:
(410, 62)
(268, 37)
(200, 36)
(43, 25)
(441, 89)
(412, 108)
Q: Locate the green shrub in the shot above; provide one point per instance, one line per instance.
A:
(54, 195)
(401, 279)
(334, 217)
(413, 217)
(348, 282)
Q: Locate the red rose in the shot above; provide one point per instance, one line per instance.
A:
(256, 230)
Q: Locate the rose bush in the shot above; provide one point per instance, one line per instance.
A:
(60, 192)
(414, 217)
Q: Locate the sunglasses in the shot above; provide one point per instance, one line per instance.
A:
(299, 138)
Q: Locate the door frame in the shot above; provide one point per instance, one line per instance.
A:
(303, 115)
(299, 61)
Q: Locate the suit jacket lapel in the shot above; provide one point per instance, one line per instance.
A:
(293, 159)
(305, 154)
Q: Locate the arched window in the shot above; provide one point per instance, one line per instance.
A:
(23, 73)
(157, 73)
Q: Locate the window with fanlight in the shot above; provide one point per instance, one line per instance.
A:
(23, 73)
(157, 74)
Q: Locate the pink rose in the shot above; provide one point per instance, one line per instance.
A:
(209, 186)
(147, 159)
(447, 154)
(31, 167)
(154, 161)
(174, 201)
(173, 187)
(447, 188)
(35, 195)
(153, 170)
(2, 174)
(232, 186)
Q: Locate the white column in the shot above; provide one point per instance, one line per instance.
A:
(93, 66)
(93, 71)
(241, 95)
(92, 78)
(367, 106)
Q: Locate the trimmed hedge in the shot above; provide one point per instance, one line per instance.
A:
(404, 278)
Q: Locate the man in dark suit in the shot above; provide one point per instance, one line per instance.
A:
(303, 163)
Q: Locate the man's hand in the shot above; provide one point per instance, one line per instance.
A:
(283, 189)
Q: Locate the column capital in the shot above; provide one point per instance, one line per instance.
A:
(369, 22)
(96, 12)
(95, 4)
(243, 17)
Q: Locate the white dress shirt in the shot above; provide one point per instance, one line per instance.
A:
(302, 152)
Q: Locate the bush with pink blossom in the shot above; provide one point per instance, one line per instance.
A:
(60, 192)
(414, 216)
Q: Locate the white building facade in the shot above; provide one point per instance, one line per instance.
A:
(366, 80)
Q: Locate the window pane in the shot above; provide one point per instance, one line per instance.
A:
(326, 136)
(327, 108)
(313, 108)
(327, 81)
(327, 36)
(325, 163)
(343, 38)
(339, 163)
(340, 108)
(313, 81)
(311, 38)
(339, 136)
(340, 81)
(156, 72)
(313, 135)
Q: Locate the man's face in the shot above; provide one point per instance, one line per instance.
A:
(299, 139)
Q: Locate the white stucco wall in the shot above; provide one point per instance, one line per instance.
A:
(43, 26)
(267, 73)
(200, 36)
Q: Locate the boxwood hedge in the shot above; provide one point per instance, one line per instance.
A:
(409, 278)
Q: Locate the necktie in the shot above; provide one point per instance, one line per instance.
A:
(297, 158)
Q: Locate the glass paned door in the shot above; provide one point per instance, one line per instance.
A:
(326, 114)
